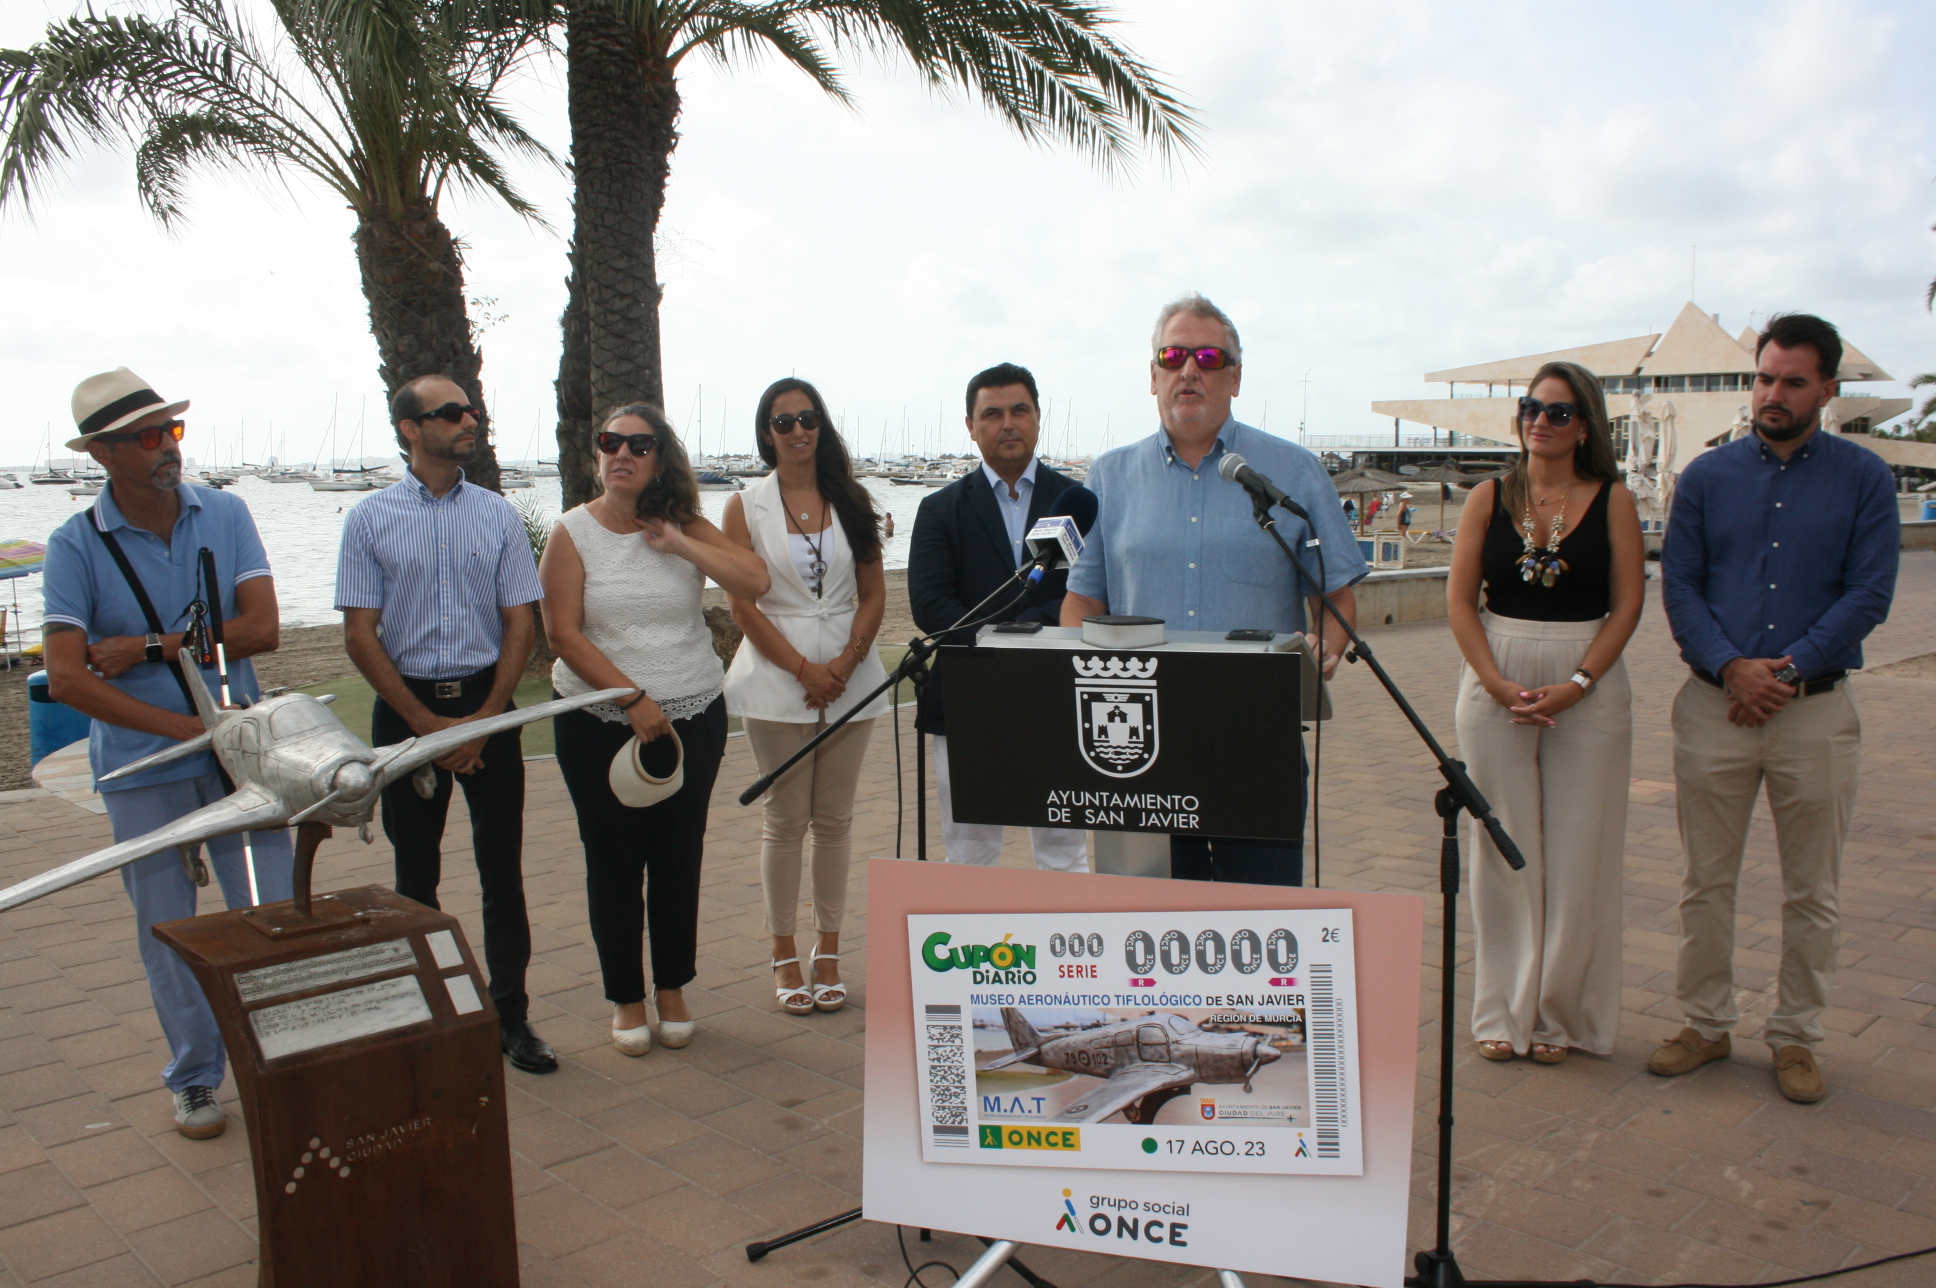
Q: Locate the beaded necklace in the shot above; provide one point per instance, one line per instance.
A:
(1543, 563)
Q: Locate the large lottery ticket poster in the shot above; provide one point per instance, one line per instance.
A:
(1201, 1073)
(1152, 1040)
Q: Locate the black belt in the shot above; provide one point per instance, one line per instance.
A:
(1809, 688)
(452, 688)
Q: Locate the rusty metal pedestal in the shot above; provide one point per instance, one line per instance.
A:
(367, 1054)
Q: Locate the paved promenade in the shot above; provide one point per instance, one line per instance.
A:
(655, 1171)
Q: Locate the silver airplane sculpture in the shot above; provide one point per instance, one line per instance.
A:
(294, 764)
(1143, 1063)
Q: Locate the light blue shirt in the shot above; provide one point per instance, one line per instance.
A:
(1181, 544)
(1014, 512)
(82, 587)
(440, 568)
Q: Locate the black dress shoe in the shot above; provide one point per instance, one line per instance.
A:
(525, 1049)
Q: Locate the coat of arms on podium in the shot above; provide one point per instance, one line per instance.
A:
(1116, 714)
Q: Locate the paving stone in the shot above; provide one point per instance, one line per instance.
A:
(659, 1169)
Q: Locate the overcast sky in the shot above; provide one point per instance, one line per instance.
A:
(1386, 188)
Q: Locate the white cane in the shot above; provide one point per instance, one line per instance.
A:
(248, 850)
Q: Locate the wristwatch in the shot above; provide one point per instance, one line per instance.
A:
(154, 647)
(1788, 675)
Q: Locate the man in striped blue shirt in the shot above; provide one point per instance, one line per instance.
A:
(444, 568)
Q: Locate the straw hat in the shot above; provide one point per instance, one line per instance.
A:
(114, 400)
(638, 789)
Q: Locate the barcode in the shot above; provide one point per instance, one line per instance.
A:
(947, 1069)
(1327, 1061)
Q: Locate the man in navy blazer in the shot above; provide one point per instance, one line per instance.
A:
(967, 541)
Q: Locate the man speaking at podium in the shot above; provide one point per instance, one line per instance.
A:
(967, 541)
(1175, 540)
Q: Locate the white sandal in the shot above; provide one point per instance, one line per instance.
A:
(828, 997)
(785, 995)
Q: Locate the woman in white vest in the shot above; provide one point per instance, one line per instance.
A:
(622, 578)
(808, 658)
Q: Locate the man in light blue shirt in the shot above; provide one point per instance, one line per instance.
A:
(435, 580)
(1174, 540)
(108, 660)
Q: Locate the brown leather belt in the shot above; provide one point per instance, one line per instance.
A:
(1809, 688)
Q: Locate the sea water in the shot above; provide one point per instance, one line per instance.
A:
(301, 528)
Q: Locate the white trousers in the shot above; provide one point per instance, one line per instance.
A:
(1057, 849)
(1546, 958)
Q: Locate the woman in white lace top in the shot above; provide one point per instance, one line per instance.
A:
(622, 579)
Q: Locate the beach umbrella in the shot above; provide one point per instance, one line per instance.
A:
(17, 559)
(1452, 476)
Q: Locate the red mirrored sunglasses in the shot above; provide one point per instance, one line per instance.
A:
(149, 438)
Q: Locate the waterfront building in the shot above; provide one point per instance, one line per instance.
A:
(1695, 377)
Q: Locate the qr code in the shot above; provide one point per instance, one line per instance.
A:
(947, 1077)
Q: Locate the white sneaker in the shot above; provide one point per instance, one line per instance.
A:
(197, 1116)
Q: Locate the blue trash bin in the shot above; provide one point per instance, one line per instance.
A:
(51, 725)
(1929, 508)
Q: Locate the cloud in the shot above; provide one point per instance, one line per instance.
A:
(1387, 188)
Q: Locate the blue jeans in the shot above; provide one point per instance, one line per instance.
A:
(161, 891)
(1242, 858)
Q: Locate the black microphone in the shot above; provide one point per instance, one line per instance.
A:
(1056, 539)
(1236, 469)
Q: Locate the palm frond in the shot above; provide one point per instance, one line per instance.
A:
(1048, 68)
(726, 30)
(382, 101)
(175, 144)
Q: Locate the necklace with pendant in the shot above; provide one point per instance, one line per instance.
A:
(1543, 563)
(817, 564)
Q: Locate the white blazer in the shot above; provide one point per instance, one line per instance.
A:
(757, 689)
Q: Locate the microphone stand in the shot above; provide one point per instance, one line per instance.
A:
(914, 666)
(1437, 1267)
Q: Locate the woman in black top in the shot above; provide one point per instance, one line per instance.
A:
(1545, 721)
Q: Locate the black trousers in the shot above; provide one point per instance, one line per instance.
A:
(641, 865)
(495, 794)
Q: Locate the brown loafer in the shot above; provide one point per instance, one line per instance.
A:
(1687, 1051)
(1798, 1076)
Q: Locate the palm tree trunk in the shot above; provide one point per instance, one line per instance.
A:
(413, 280)
(624, 109)
(577, 469)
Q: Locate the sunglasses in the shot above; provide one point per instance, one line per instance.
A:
(641, 444)
(149, 438)
(1559, 415)
(452, 412)
(1171, 357)
(784, 424)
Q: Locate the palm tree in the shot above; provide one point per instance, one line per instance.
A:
(385, 103)
(1046, 67)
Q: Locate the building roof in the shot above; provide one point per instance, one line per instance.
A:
(1612, 357)
(1696, 345)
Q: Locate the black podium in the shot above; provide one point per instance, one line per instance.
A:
(1198, 735)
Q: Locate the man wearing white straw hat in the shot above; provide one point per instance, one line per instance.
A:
(123, 584)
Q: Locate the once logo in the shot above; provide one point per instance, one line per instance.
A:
(998, 1137)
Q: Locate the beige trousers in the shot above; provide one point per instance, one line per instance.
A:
(817, 796)
(1808, 757)
(1546, 961)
